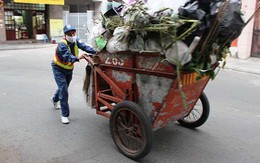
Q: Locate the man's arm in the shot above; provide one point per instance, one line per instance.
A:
(85, 47)
(65, 54)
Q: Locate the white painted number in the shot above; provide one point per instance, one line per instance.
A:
(114, 61)
(108, 61)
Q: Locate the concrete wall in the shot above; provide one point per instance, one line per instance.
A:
(99, 7)
(155, 5)
(244, 44)
(2, 26)
(89, 3)
(54, 12)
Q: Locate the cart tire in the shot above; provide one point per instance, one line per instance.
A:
(198, 115)
(131, 130)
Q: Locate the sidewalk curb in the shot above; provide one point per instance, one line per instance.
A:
(25, 46)
(250, 65)
(244, 70)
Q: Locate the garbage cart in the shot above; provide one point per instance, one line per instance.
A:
(140, 93)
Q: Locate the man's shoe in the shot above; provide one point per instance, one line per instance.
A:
(56, 105)
(65, 120)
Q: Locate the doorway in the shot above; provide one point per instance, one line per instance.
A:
(19, 24)
(24, 21)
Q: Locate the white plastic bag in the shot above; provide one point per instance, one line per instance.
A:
(178, 52)
(119, 41)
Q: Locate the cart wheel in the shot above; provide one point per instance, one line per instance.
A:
(131, 130)
(198, 115)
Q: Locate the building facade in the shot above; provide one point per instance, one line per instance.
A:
(29, 19)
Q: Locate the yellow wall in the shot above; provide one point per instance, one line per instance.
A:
(51, 2)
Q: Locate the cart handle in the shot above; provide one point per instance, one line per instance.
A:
(89, 59)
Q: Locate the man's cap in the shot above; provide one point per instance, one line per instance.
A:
(68, 28)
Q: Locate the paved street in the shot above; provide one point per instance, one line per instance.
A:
(31, 131)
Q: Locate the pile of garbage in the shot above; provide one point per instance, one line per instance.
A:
(195, 37)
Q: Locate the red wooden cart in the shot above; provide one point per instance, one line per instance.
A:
(139, 93)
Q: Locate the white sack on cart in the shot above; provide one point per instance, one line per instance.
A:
(178, 52)
(119, 41)
(97, 30)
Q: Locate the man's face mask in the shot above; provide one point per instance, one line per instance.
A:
(71, 39)
(71, 36)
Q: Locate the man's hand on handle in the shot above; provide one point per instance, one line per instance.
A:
(80, 56)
